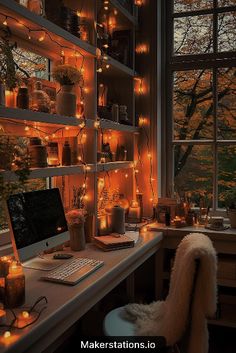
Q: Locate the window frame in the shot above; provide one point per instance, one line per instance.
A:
(185, 62)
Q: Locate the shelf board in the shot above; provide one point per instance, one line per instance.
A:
(125, 13)
(22, 115)
(38, 173)
(226, 282)
(116, 69)
(34, 21)
(29, 115)
(228, 316)
(111, 125)
(103, 167)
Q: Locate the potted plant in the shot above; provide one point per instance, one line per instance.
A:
(67, 76)
(75, 220)
(230, 203)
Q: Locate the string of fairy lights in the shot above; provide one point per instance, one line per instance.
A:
(41, 34)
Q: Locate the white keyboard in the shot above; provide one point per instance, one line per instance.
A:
(73, 271)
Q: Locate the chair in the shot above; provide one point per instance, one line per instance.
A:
(195, 262)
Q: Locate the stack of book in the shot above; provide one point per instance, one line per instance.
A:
(114, 242)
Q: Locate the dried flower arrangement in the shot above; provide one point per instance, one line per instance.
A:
(67, 75)
(75, 216)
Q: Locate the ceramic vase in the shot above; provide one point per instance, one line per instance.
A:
(66, 101)
(77, 236)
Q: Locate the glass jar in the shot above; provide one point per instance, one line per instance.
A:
(52, 152)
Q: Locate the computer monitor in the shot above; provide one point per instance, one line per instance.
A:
(37, 222)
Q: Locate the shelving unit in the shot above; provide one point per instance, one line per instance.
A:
(119, 77)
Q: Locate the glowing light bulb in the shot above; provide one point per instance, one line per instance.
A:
(99, 70)
(137, 190)
(5, 22)
(29, 36)
(107, 66)
(82, 125)
(78, 13)
(126, 175)
(25, 314)
(144, 229)
(151, 199)
(86, 197)
(105, 46)
(84, 185)
(62, 53)
(116, 171)
(53, 135)
(106, 8)
(27, 128)
(41, 38)
(149, 155)
(96, 124)
(105, 57)
(7, 334)
(87, 167)
(115, 12)
(47, 138)
(67, 127)
(79, 158)
(136, 171)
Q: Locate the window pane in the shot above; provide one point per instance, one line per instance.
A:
(227, 103)
(227, 171)
(193, 167)
(193, 35)
(32, 184)
(183, 5)
(192, 105)
(227, 31)
(222, 3)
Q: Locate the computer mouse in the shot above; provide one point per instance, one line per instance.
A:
(61, 256)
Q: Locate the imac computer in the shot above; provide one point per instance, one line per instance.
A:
(37, 223)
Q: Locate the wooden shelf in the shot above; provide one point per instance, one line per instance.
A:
(22, 115)
(38, 173)
(116, 69)
(32, 20)
(226, 282)
(111, 125)
(125, 13)
(228, 316)
(103, 167)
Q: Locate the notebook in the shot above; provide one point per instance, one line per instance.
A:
(114, 242)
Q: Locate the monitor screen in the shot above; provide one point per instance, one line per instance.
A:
(37, 221)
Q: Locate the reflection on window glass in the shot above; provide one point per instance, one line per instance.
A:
(193, 168)
(222, 3)
(192, 105)
(193, 35)
(31, 185)
(227, 171)
(227, 31)
(183, 5)
(226, 112)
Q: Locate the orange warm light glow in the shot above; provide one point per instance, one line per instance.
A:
(142, 49)
(138, 2)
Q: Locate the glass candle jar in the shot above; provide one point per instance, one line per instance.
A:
(15, 286)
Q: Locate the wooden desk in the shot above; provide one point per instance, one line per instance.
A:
(66, 304)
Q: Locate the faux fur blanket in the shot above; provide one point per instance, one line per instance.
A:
(169, 318)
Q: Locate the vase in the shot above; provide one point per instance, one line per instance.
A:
(77, 236)
(66, 101)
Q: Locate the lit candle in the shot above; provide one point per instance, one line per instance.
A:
(4, 265)
(178, 221)
(134, 212)
(23, 319)
(15, 285)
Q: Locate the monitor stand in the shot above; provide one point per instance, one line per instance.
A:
(45, 263)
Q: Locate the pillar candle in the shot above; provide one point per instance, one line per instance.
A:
(134, 212)
(104, 227)
(15, 286)
(5, 262)
(10, 99)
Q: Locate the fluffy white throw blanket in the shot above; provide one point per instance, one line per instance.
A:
(169, 318)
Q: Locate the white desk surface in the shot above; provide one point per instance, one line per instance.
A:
(66, 304)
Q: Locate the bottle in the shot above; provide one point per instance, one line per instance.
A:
(167, 218)
(22, 99)
(40, 100)
(66, 154)
(52, 151)
(38, 153)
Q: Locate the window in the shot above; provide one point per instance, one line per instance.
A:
(27, 65)
(201, 98)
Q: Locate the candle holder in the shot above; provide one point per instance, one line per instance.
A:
(134, 215)
(15, 286)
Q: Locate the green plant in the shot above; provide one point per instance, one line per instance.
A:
(67, 75)
(230, 199)
(13, 157)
